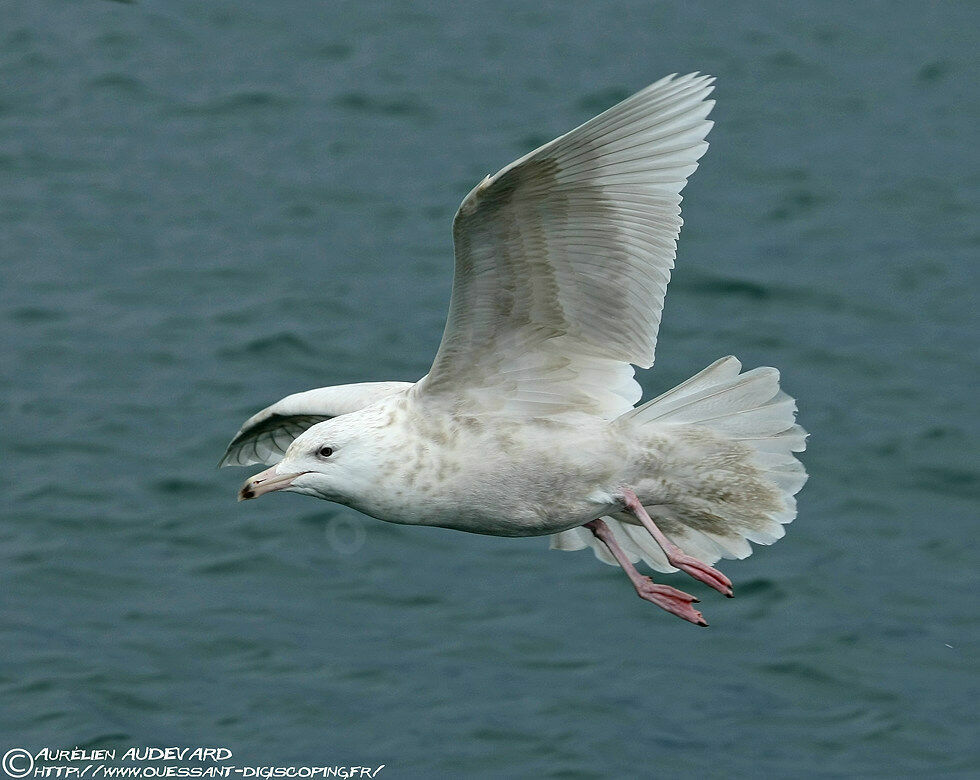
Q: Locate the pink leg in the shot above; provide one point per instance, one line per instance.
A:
(700, 571)
(677, 602)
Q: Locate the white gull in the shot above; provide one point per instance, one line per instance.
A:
(525, 425)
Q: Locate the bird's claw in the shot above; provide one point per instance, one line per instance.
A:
(677, 602)
(702, 572)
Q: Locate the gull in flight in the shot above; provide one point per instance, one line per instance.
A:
(527, 424)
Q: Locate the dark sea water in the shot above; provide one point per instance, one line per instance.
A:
(205, 206)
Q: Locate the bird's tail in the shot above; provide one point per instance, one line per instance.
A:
(724, 468)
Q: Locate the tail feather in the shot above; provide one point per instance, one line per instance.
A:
(720, 371)
(714, 397)
(732, 471)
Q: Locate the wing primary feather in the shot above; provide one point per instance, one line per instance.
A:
(563, 258)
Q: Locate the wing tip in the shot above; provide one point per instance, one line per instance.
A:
(230, 458)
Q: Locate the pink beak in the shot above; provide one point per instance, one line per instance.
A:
(266, 482)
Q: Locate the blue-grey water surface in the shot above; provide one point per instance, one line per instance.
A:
(205, 206)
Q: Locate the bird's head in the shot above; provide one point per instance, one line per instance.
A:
(332, 460)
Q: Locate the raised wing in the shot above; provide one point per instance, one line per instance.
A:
(563, 259)
(265, 436)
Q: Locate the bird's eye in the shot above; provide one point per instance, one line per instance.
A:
(325, 452)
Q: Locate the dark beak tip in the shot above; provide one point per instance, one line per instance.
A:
(245, 494)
